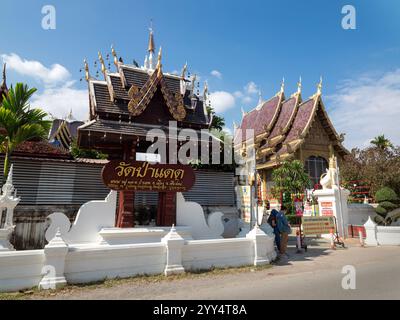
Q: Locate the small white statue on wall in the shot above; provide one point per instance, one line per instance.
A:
(330, 178)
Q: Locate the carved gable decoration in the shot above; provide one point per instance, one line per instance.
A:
(140, 98)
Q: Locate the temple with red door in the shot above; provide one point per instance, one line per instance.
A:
(127, 104)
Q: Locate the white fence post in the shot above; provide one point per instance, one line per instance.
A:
(174, 244)
(260, 245)
(371, 230)
(53, 270)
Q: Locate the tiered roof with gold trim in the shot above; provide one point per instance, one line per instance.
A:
(141, 97)
(285, 125)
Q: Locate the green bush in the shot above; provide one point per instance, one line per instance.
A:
(388, 201)
(389, 206)
(386, 194)
(381, 211)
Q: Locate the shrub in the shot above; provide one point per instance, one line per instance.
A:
(386, 194)
(388, 201)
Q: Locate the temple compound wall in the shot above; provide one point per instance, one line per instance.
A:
(50, 185)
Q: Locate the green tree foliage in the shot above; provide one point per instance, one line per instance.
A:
(77, 152)
(218, 122)
(374, 166)
(388, 203)
(19, 122)
(381, 142)
(290, 179)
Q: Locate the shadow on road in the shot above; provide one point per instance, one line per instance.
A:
(316, 247)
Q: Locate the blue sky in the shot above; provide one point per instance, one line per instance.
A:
(251, 44)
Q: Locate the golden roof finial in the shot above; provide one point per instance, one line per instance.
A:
(103, 66)
(184, 69)
(87, 74)
(159, 65)
(299, 85)
(205, 92)
(319, 87)
(114, 54)
(283, 85)
(151, 47)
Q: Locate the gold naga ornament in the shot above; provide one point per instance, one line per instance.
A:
(141, 97)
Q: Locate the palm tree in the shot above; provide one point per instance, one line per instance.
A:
(218, 122)
(381, 142)
(18, 122)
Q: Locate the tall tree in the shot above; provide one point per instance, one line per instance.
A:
(19, 122)
(381, 142)
(218, 122)
(290, 179)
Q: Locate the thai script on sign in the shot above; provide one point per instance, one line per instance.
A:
(142, 170)
(143, 176)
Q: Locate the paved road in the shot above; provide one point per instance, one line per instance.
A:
(312, 275)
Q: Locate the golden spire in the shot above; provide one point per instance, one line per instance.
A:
(319, 87)
(205, 92)
(103, 66)
(87, 74)
(114, 54)
(184, 69)
(299, 86)
(151, 41)
(159, 65)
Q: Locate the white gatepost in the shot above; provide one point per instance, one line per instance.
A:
(371, 229)
(174, 244)
(9, 201)
(55, 252)
(260, 245)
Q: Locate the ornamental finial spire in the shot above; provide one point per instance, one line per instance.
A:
(184, 69)
(159, 65)
(205, 92)
(114, 54)
(87, 74)
(282, 85)
(299, 85)
(103, 66)
(319, 87)
(151, 47)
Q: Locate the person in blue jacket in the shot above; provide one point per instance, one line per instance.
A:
(272, 220)
(284, 229)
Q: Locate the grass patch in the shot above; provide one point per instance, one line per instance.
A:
(35, 293)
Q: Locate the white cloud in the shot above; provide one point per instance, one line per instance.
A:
(60, 100)
(251, 88)
(238, 94)
(59, 95)
(49, 76)
(247, 100)
(222, 101)
(366, 107)
(217, 74)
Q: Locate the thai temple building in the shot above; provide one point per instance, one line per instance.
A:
(288, 128)
(132, 101)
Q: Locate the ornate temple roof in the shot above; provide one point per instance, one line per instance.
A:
(289, 128)
(3, 85)
(134, 96)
